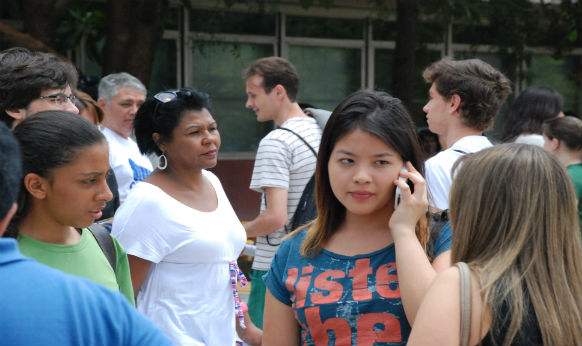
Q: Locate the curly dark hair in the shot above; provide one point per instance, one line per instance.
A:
(162, 118)
(482, 88)
(25, 74)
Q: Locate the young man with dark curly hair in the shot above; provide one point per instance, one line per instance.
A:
(31, 82)
(464, 98)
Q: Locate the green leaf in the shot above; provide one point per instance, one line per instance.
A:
(573, 35)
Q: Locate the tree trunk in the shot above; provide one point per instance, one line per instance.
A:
(133, 32)
(41, 18)
(13, 38)
(404, 54)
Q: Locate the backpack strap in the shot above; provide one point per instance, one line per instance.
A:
(301, 138)
(105, 243)
(303, 199)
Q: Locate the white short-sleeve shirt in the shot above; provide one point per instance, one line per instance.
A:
(130, 166)
(187, 291)
(438, 168)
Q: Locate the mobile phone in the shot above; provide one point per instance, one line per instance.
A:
(398, 193)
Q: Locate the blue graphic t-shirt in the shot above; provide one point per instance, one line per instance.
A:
(340, 300)
(139, 172)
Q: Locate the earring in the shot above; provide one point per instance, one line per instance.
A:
(163, 162)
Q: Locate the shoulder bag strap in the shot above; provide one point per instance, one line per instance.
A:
(301, 138)
(465, 275)
(105, 243)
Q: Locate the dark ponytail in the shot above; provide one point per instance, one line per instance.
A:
(49, 140)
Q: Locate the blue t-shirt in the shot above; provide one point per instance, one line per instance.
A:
(342, 300)
(443, 240)
(44, 306)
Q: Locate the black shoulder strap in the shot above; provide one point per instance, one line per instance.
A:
(460, 151)
(301, 138)
(105, 243)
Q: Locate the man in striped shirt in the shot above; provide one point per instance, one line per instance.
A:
(283, 165)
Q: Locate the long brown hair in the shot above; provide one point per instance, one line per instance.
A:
(513, 211)
(381, 115)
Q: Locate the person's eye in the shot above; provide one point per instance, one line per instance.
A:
(346, 161)
(212, 129)
(381, 162)
(89, 181)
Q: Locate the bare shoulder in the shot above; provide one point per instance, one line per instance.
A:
(438, 318)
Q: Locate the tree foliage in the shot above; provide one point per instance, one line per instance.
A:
(123, 34)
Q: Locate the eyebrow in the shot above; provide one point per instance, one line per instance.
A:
(199, 126)
(345, 152)
(93, 173)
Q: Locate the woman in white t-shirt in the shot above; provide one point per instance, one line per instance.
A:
(178, 227)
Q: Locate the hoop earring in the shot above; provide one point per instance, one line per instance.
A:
(163, 159)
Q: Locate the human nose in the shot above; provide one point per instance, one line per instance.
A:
(361, 175)
(105, 193)
(425, 108)
(249, 103)
(211, 137)
(134, 109)
(70, 107)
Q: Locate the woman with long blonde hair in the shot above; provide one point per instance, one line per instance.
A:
(514, 218)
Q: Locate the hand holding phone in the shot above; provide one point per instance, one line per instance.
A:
(398, 193)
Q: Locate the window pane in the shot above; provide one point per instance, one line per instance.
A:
(217, 70)
(232, 22)
(327, 75)
(164, 70)
(324, 27)
(427, 31)
(560, 74)
(384, 65)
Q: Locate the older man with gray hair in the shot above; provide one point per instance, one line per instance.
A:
(120, 96)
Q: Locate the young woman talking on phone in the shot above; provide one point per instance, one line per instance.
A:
(357, 274)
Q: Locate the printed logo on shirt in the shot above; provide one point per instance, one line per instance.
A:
(358, 306)
(139, 172)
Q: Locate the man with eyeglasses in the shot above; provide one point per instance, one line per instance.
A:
(31, 82)
(120, 96)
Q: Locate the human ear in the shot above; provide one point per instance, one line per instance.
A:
(455, 103)
(156, 139)
(101, 102)
(35, 185)
(18, 114)
(554, 144)
(280, 91)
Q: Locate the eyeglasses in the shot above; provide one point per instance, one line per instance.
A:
(60, 98)
(164, 97)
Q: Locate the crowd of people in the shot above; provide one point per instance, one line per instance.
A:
(116, 232)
